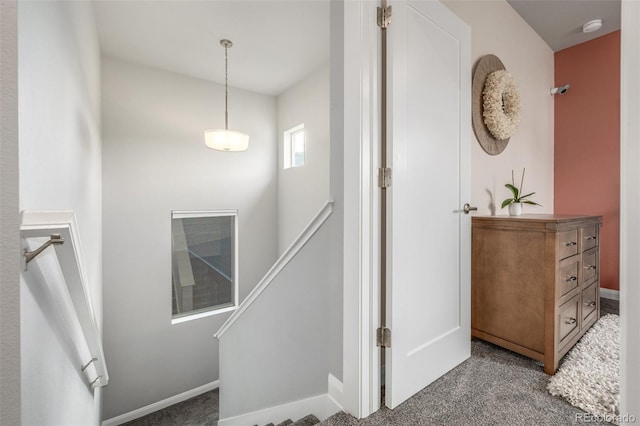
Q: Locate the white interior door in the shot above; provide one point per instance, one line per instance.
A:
(428, 269)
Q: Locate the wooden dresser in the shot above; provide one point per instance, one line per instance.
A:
(535, 282)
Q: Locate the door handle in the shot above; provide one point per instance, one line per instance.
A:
(467, 208)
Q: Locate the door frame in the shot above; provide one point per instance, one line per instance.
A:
(359, 39)
(629, 205)
(358, 46)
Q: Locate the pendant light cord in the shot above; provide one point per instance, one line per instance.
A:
(225, 139)
(226, 90)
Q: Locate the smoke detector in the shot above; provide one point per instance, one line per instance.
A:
(592, 26)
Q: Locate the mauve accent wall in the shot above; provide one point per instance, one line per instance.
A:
(587, 142)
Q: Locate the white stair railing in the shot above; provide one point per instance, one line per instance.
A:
(53, 260)
(280, 264)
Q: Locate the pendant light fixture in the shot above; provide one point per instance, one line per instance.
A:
(226, 140)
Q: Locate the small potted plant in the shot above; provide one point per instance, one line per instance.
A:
(515, 202)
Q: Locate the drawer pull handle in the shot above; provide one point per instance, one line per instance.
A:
(591, 237)
(571, 321)
(572, 278)
(571, 243)
(592, 303)
(590, 267)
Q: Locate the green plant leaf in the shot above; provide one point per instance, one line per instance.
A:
(517, 198)
(506, 202)
(513, 190)
(528, 195)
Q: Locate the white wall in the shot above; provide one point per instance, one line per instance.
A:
(60, 169)
(336, 184)
(302, 191)
(496, 28)
(9, 236)
(155, 161)
(276, 351)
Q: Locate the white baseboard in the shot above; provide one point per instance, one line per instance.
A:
(335, 391)
(132, 415)
(610, 294)
(321, 406)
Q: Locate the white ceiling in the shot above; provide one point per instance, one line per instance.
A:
(279, 42)
(275, 42)
(559, 22)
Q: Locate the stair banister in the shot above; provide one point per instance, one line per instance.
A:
(56, 268)
(300, 241)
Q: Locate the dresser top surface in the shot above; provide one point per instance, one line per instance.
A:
(542, 217)
(537, 220)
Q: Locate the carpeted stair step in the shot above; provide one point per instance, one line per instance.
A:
(290, 422)
(285, 423)
(308, 420)
(340, 419)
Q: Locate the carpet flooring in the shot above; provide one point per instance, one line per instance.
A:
(493, 387)
(609, 306)
(202, 410)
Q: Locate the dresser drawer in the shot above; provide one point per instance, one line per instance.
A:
(589, 237)
(589, 265)
(589, 300)
(568, 276)
(567, 320)
(567, 243)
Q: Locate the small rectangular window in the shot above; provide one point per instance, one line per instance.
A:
(294, 147)
(204, 262)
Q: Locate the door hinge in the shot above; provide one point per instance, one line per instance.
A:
(384, 16)
(383, 337)
(384, 177)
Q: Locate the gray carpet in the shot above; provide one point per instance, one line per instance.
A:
(493, 387)
(198, 411)
(609, 306)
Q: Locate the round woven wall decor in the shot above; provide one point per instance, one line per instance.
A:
(485, 66)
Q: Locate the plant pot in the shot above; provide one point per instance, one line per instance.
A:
(515, 209)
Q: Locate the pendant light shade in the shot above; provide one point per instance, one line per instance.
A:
(225, 139)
